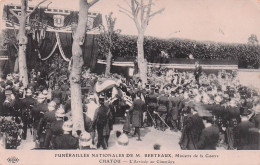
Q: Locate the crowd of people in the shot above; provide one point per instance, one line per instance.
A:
(208, 110)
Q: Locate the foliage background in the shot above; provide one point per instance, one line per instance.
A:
(125, 48)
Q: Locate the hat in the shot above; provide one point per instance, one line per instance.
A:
(45, 92)
(8, 92)
(257, 109)
(67, 126)
(28, 92)
(41, 96)
(60, 112)
(218, 99)
(52, 104)
(85, 139)
(123, 139)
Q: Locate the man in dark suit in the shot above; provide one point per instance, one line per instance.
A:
(102, 122)
(209, 136)
(26, 105)
(137, 114)
(66, 140)
(152, 105)
(256, 118)
(38, 111)
(45, 123)
(242, 134)
(197, 71)
(56, 94)
(163, 106)
(173, 111)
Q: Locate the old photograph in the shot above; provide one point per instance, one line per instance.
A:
(129, 75)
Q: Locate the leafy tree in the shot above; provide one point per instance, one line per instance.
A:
(253, 39)
(109, 35)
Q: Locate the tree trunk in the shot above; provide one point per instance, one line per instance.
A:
(16, 65)
(108, 65)
(142, 64)
(77, 63)
(22, 38)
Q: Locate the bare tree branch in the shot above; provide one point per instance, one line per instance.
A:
(14, 14)
(126, 14)
(127, 3)
(128, 11)
(36, 7)
(92, 3)
(157, 12)
(48, 5)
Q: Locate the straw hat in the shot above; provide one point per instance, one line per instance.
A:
(85, 139)
(60, 112)
(67, 126)
(123, 140)
(28, 92)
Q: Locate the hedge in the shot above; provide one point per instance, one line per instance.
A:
(247, 56)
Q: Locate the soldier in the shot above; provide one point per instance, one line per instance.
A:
(45, 123)
(163, 106)
(37, 113)
(152, 105)
(173, 111)
(137, 111)
(232, 120)
(102, 122)
(66, 140)
(26, 104)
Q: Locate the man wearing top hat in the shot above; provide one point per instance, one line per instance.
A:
(191, 131)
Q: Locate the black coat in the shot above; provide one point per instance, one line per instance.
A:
(209, 138)
(242, 135)
(103, 120)
(137, 110)
(66, 141)
(256, 120)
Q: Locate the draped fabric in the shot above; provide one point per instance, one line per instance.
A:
(65, 45)
(47, 45)
(90, 51)
(47, 15)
